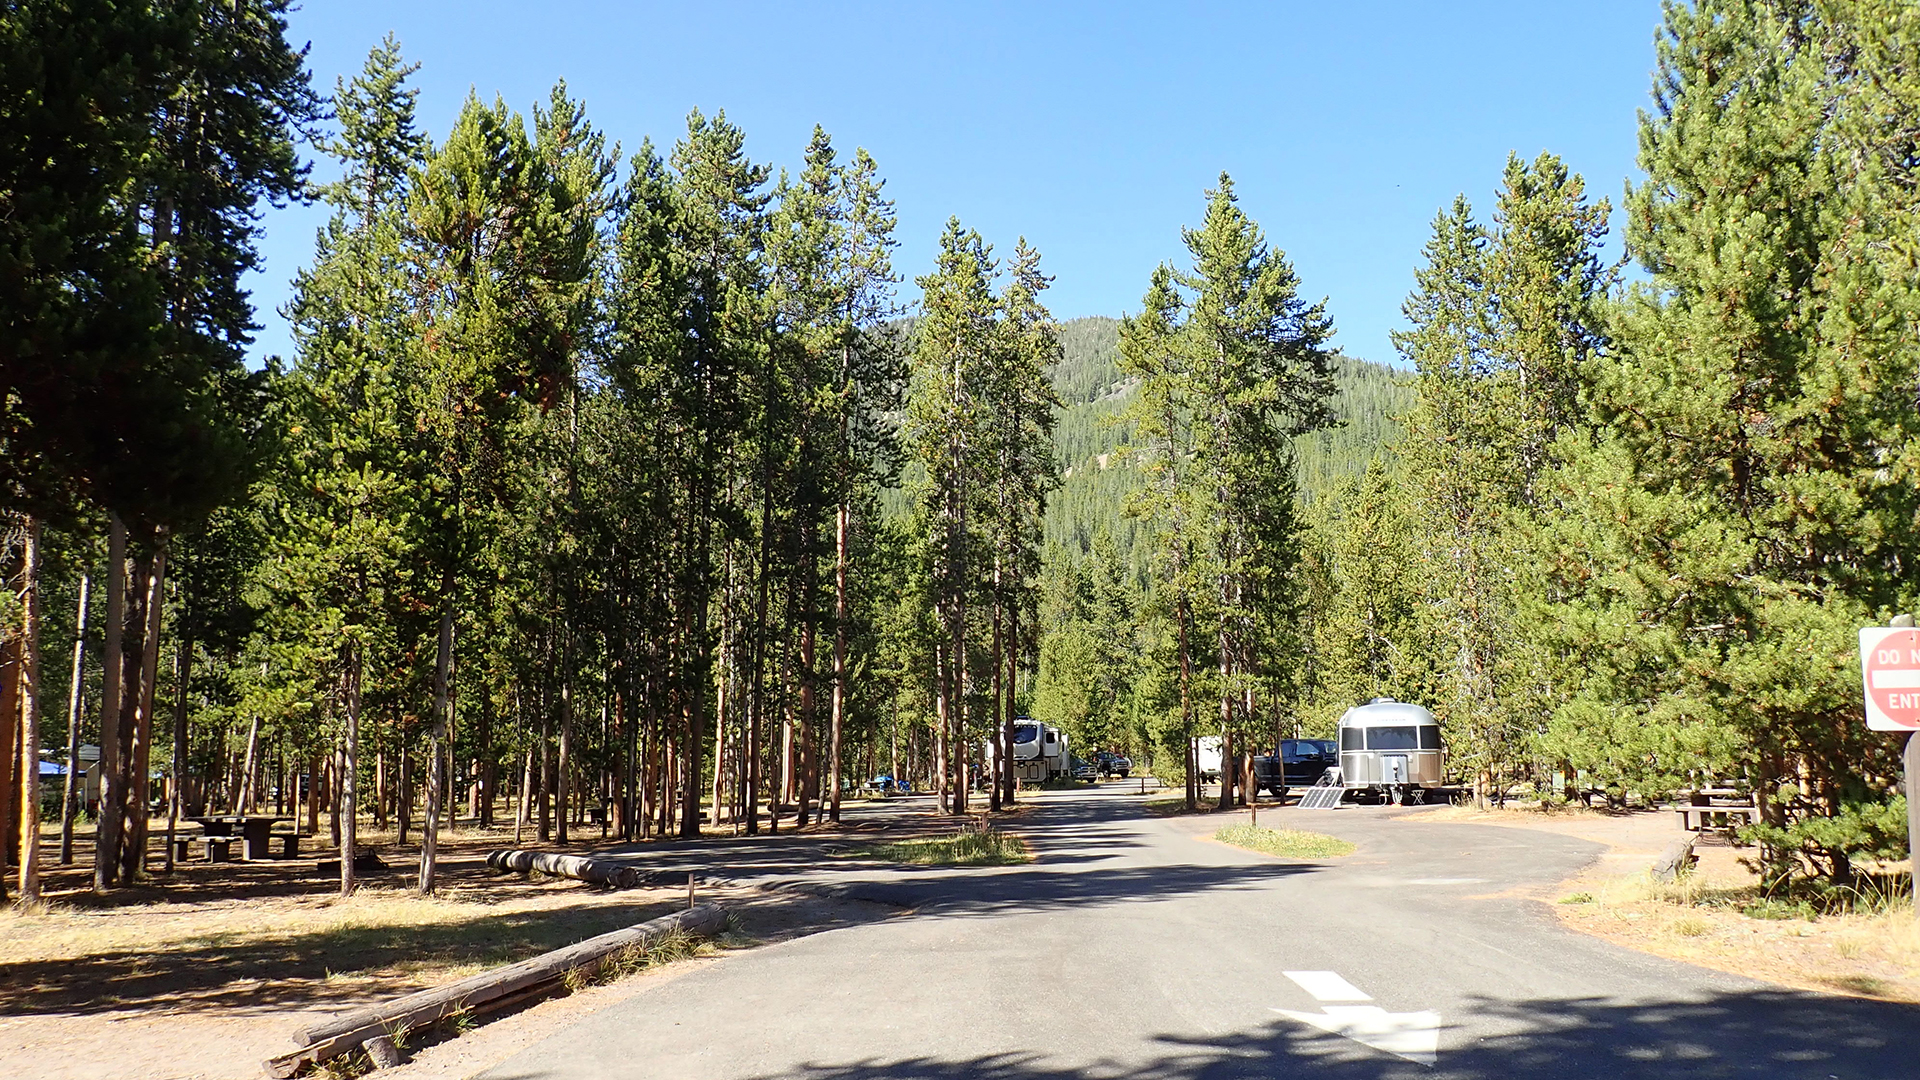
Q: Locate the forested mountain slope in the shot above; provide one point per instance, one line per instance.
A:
(1089, 442)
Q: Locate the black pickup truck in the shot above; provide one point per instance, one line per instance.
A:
(1297, 763)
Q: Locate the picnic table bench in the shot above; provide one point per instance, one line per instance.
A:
(1716, 808)
(1698, 818)
(255, 831)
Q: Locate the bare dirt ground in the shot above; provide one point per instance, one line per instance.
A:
(208, 973)
(1700, 919)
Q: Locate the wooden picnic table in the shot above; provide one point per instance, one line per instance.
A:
(255, 830)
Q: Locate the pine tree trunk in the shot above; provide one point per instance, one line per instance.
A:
(809, 779)
(563, 771)
(106, 850)
(244, 803)
(488, 783)
(526, 786)
(69, 787)
(942, 722)
(333, 795)
(838, 720)
(350, 770)
(313, 795)
(133, 857)
(1010, 778)
(182, 677)
(10, 677)
(403, 791)
(993, 732)
(442, 726)
(30, 716)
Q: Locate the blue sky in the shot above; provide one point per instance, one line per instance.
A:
(1092, 129)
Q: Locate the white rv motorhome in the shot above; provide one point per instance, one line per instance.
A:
(1206, 750)
(1039, 750)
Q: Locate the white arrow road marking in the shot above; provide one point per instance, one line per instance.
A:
(1414, 1036)
(1326, 986)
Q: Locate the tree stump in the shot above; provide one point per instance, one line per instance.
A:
(382, 1052)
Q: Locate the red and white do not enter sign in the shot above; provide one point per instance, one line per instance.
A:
(1890, 667)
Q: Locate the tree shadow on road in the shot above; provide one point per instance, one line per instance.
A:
(1763, 1033)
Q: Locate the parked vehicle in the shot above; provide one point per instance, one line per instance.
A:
(1119, 765)
(1085, 770)
(1039, 750)
(1391, 749)
(1296, 763)
(1207, 758)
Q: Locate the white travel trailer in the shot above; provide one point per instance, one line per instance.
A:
(1391, 749)
(1206, 751)
(1039, 750)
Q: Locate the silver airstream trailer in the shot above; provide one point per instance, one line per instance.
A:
(1391, 749)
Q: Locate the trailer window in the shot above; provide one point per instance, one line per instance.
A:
(1429, 738)
(1025, 733)
(1392, 738)
(1350, 739)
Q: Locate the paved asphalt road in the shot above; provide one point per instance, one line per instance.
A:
(1132, 947)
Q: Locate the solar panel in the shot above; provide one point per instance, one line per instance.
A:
(1321, 798)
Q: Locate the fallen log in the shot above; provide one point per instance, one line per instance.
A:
(1675, 860)
(347, 1032)
(599, 871)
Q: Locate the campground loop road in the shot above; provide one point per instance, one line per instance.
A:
(1135, 947)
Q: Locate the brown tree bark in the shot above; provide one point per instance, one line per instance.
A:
(838, 720)
(10, 677)
(106, 848)
(563, 787)
(442, 726)
(183, 675)
(350, 771)
(249, 771)
(1012, 779)
(70, 790)
(139, 722)
(30, 715)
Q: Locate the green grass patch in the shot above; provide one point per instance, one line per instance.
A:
(1288, 843)
(1578, 898)
(968, 847)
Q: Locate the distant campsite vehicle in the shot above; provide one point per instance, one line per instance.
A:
(1206, 758)
(1039, 750)
(1298, 763)
(1390, 749)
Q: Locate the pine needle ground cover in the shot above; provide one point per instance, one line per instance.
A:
(1286, 843)
(968, 847)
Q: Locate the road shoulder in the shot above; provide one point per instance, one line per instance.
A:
(1701, 921)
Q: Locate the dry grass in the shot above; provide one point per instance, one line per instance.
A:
(1718, 919)
(1716, 916)
(289, 950)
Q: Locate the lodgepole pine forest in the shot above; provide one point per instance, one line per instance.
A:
(623, 490)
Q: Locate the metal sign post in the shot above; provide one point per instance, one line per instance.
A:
(1890, 675)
